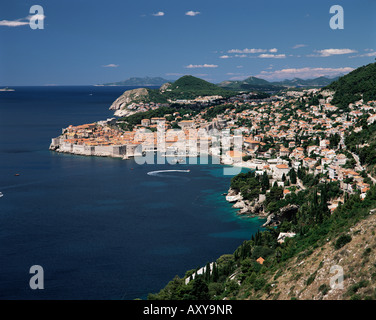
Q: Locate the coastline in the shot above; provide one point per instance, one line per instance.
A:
(244, 208)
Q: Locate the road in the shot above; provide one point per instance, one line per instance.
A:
(359, 166)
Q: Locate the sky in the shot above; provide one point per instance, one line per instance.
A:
(86, 42)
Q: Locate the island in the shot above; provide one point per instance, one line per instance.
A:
(139, 82)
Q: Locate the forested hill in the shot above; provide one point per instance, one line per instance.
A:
(358, 84)
(188, 87)
(185, 88)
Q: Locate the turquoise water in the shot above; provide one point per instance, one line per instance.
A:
(101, 228)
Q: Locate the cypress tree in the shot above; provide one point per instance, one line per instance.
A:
(265, 181)
(292, 175)
(324, 202)
(215, 275)
(207, 272)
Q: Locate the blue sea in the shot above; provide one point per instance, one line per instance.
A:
(101, 228)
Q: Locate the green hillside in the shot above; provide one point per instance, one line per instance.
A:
(189, 87)
(185, 88)
(358, 84)
(299, 267)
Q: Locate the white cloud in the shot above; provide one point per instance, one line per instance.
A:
(272, 56)
(21, 22)
(331, 52)
(15, 23)
(297, 46)
(158, 14)
(224, 57)
(193, 66)
(111, 65)
(369, 54)
(247, 50)
(242, 53)
(192, 13)
(304, 73)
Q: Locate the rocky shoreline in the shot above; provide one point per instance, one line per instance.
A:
(256, 208)
(246, 207)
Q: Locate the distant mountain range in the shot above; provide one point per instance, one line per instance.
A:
(138, 82)
(253, 83)
(316, 82)
(249, 84)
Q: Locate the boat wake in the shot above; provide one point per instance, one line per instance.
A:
(155, 173)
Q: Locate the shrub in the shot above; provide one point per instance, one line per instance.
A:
(367, 252)
(259, 283)
(324, 289)
(311, 279)
(355, 287)
(342, 240)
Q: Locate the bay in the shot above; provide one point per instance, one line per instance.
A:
(101, 228)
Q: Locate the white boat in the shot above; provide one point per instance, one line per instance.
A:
(154, 173)
(1, 194)
(7, 89)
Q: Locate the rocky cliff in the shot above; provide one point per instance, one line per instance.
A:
(128, 97)
(246, 207)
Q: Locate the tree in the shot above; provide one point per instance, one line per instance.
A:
(292, 175)
(207, 272)
(200, 290)
(265, 184)
(215, 275)
(323, 207)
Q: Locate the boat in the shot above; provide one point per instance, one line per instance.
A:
(1, 194)
(7, 89)
(158, 172)
(17, 174)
